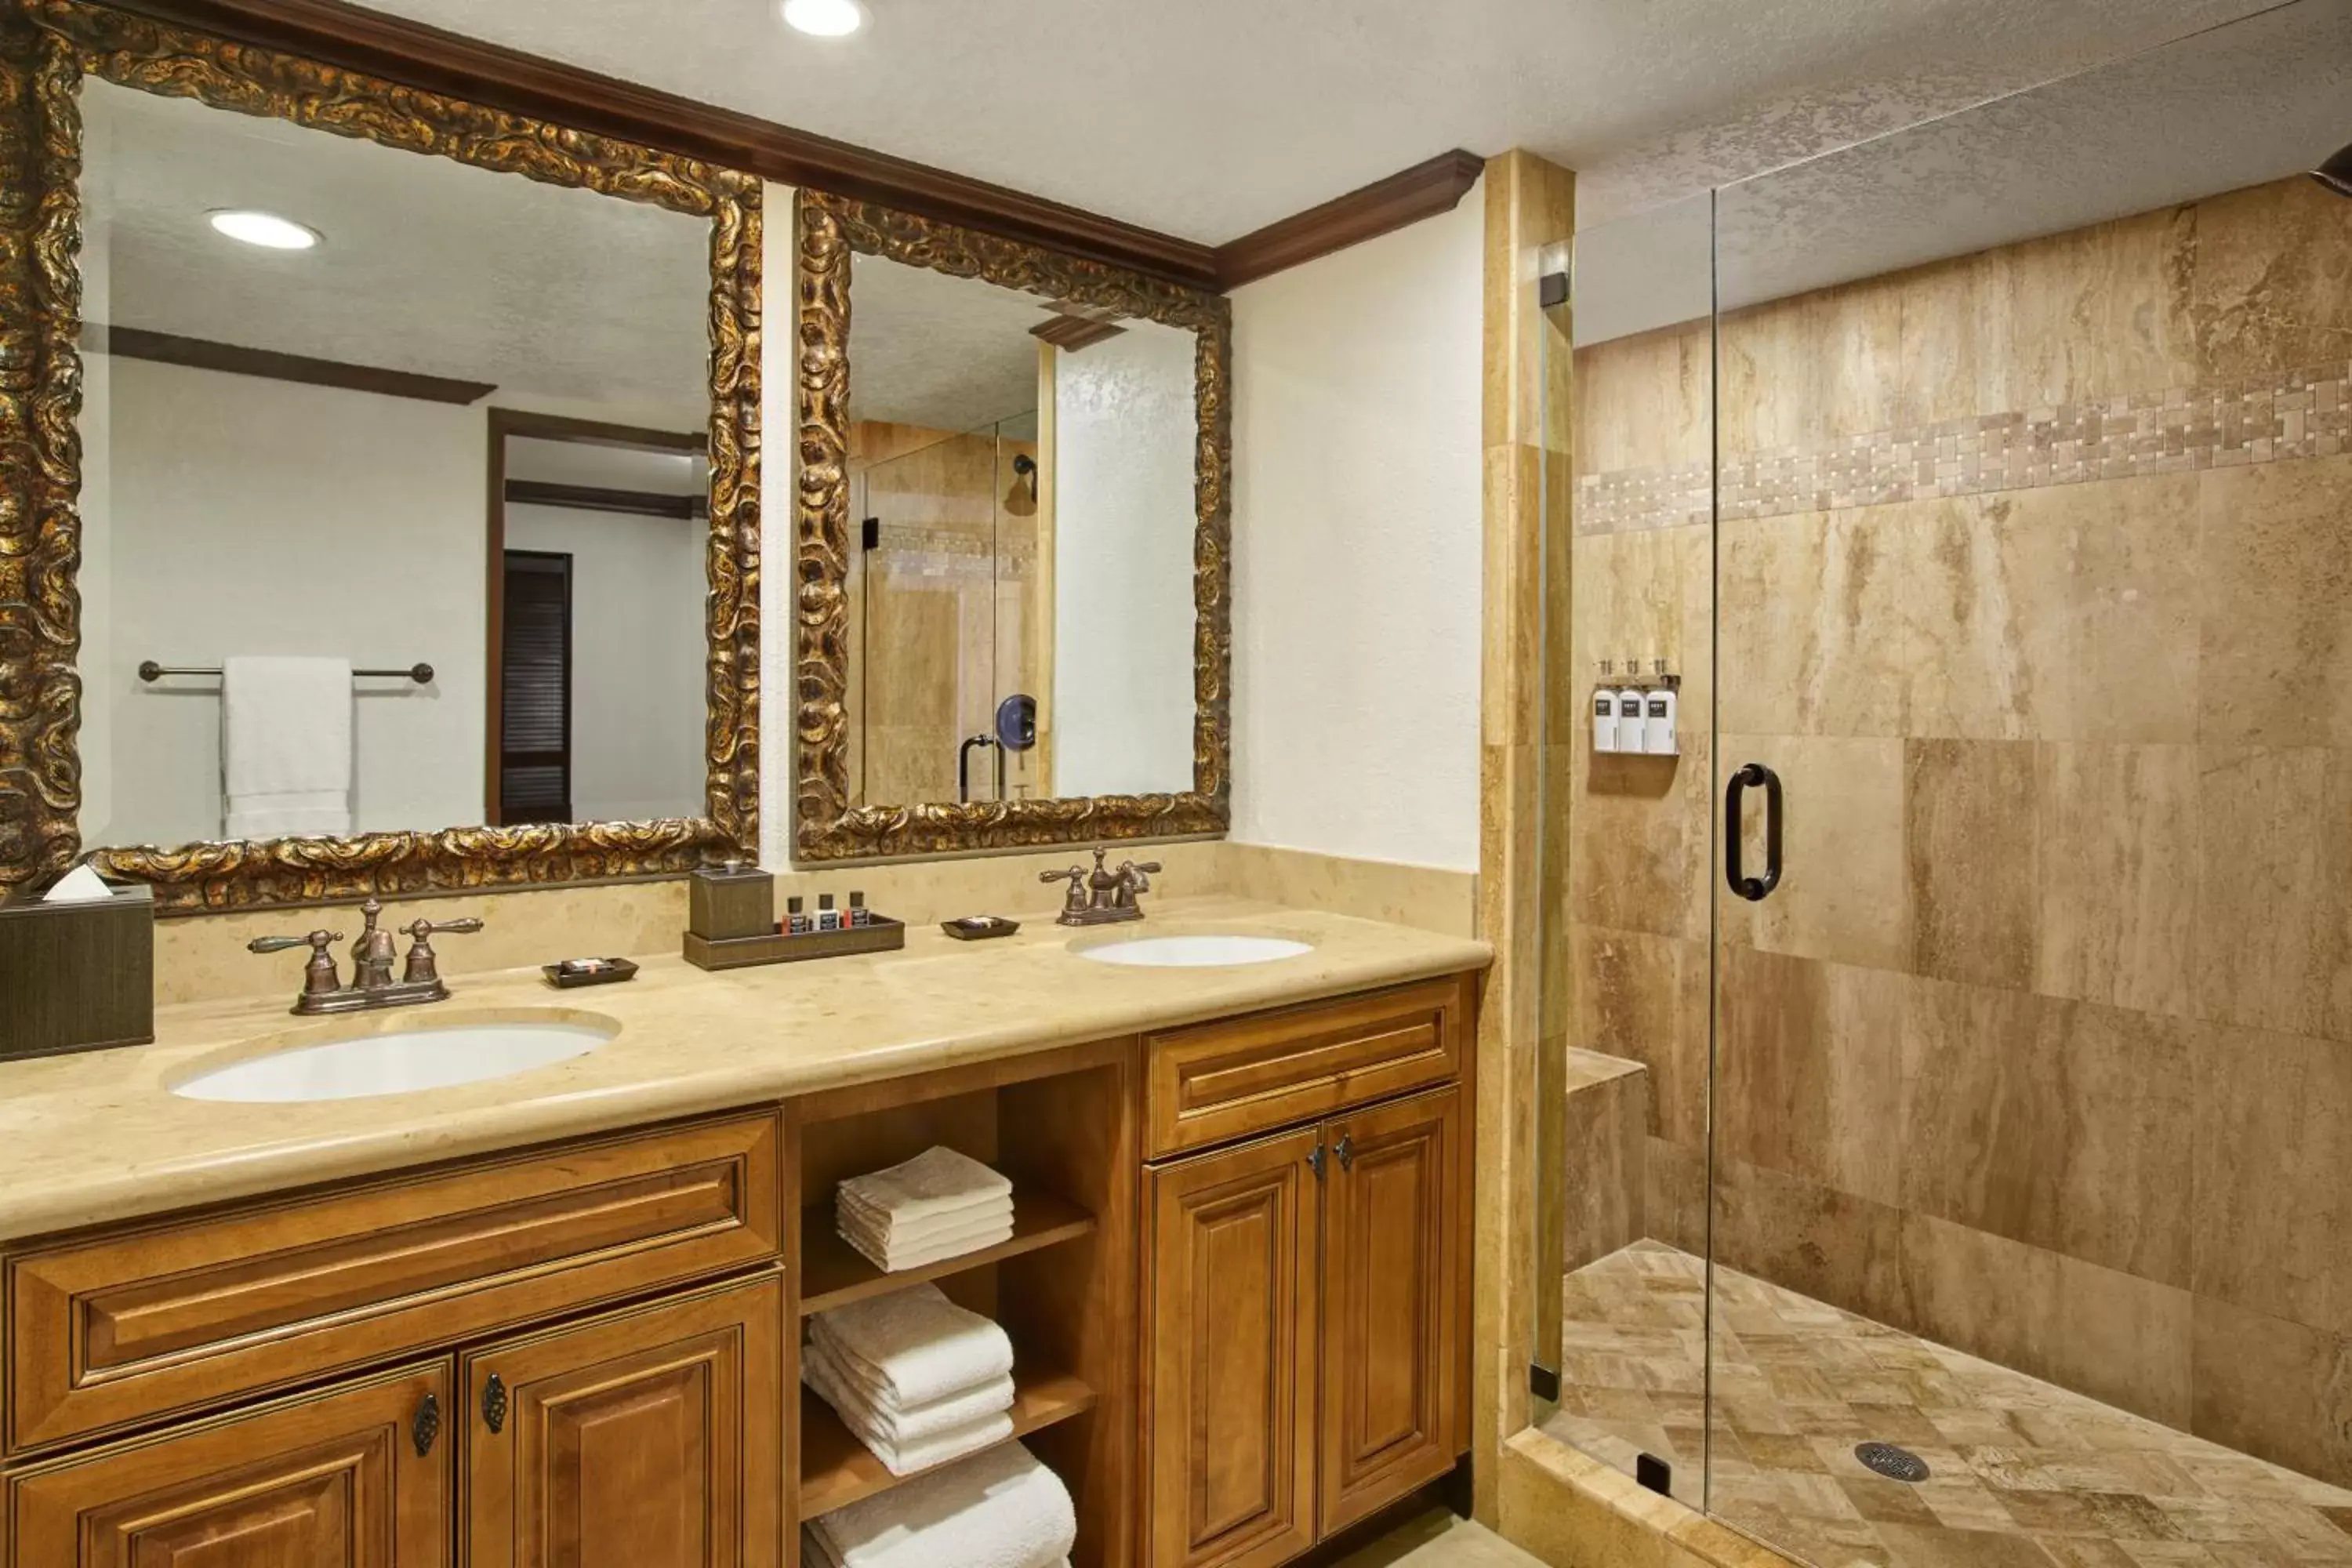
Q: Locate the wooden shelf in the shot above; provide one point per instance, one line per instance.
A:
(834, 1273)
(838, 1470)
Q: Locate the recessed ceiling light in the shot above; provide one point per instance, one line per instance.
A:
(825, 18)
(265, 229)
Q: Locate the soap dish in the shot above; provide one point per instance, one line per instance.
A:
(980, 928)
(576, 971)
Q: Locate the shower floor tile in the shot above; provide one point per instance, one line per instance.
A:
(2020, 1472)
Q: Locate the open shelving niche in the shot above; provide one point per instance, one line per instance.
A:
(1060, 1124)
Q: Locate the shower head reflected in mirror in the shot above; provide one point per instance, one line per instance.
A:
(2336, 172)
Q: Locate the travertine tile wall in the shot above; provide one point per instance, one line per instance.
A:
(2036, 588)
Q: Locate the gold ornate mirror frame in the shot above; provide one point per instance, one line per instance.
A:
(831, 229)
(47, 46)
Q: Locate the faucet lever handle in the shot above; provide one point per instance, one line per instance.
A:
(275, 943)
(424, 965)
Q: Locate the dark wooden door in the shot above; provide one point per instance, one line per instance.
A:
(1392, 1314)
(1232, 1347)
(332, 1479)
(651, 1438)
(534, 712)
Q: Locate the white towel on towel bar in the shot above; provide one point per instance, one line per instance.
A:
(915, 1342)
(997, 1509)
(285, 746)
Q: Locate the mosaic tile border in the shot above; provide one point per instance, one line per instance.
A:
(2300, 414)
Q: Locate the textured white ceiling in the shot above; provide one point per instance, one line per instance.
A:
(427, 265)
(2238, 105)
(949, 353)
(1207, 119)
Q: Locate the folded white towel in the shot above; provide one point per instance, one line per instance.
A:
(997, 1509)
(924, 1257)
(865, 1408)
(915, 1342)
(285, 746)
(903, 1456)
(893, 1255)
(851, 1214)
(936, 1180)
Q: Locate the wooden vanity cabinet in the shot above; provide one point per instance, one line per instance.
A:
(345, 1478)
(652, 1437)
(1306, 1296)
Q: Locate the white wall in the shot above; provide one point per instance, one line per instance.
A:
(638, 657)
(1124, 522)
(1357, 542)
(251, 516)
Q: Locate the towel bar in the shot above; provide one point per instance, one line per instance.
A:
(150, 671)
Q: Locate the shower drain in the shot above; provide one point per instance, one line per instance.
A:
(1895, 1463)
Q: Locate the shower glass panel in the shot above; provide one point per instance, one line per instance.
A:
(1950, 1160)
(943, 624)
(2033, 1083)
(1621, 1198)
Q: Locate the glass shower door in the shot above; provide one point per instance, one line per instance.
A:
(2031, 969)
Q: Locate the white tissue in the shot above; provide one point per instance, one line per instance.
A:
(78, 885)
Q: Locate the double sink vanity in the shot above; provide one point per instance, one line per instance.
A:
(518, 1278)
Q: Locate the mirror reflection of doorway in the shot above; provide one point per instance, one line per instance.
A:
(535, 695)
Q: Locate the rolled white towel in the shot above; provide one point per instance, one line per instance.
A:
(1001, 1509)
(864, 1409)
(939, 1180)
(914, 1342)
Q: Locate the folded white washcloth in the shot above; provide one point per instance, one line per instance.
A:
(936, 1180)
(894, 1257)
(1001, 1509)
(924, 1257)
(914, 1342)
(853, 1213)
(864, 1409)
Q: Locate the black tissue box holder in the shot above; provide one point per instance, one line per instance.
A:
(80, 976)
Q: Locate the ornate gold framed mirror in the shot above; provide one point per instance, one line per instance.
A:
(1012, 575)
(209, 455)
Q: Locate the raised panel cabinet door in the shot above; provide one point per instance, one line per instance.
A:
(1392, 1314)
(1231, 1343)
(649, 1438)
(355, 1477)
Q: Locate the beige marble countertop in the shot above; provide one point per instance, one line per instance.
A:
(100, 1136)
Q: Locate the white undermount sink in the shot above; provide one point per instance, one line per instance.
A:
(1205, 951)
(429, 1055)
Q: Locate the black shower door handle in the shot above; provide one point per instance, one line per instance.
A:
(1752, 888)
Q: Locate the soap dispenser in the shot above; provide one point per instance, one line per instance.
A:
(1604, 710)
(1659, 713)
(1631, 704)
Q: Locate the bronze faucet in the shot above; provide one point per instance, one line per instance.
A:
(372, 983)
(1102, 896)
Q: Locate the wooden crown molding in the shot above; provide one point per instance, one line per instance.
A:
(1436, 185)
(357, 39)
(396, 48)
(235, 358)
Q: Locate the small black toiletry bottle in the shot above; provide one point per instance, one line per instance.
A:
(797, 922)
(827, 916)
(859, 915)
